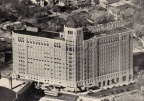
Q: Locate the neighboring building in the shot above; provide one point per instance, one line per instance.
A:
(39, 2)
(119, 5)
(22, 94)
(73, 60)
(42, 2)
(7, 94)
(114, 3)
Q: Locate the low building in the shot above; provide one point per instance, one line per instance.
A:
(19, 91)
(39, 2)
(120, 5)
(7, 94)
(43, 3)
(62, 97)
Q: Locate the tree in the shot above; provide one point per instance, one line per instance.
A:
(139, 30)
(101, 17)
(136, 69)
(26, 2)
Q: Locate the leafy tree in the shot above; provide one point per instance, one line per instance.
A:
(139, 30)
(101, 17)
(136, 70)
(26, 2)
(138, 3)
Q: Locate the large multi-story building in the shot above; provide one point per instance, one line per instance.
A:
(74, 60)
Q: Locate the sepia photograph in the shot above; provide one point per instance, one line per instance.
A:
(71, 50)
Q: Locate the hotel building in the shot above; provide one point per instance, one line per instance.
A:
(73, 59)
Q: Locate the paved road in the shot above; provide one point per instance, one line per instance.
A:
(114, 90)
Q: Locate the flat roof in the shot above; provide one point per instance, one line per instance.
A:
(52, 35)
(65, 97)
(105, 33)
(87, 35)
(113, 31)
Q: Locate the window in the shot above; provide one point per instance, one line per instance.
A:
(117, 79)
(124, 78)
(70, 32)
(20, 39)
(103, 83)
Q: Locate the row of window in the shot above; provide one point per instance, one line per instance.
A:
(20, 39)
(108, 40)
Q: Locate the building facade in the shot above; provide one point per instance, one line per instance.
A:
(73, 59)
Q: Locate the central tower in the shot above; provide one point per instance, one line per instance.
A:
(73, 35)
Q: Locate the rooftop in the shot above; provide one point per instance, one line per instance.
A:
(114, 31)
(93, 29)
(53, 35)
(65, 97)
(7, 94)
